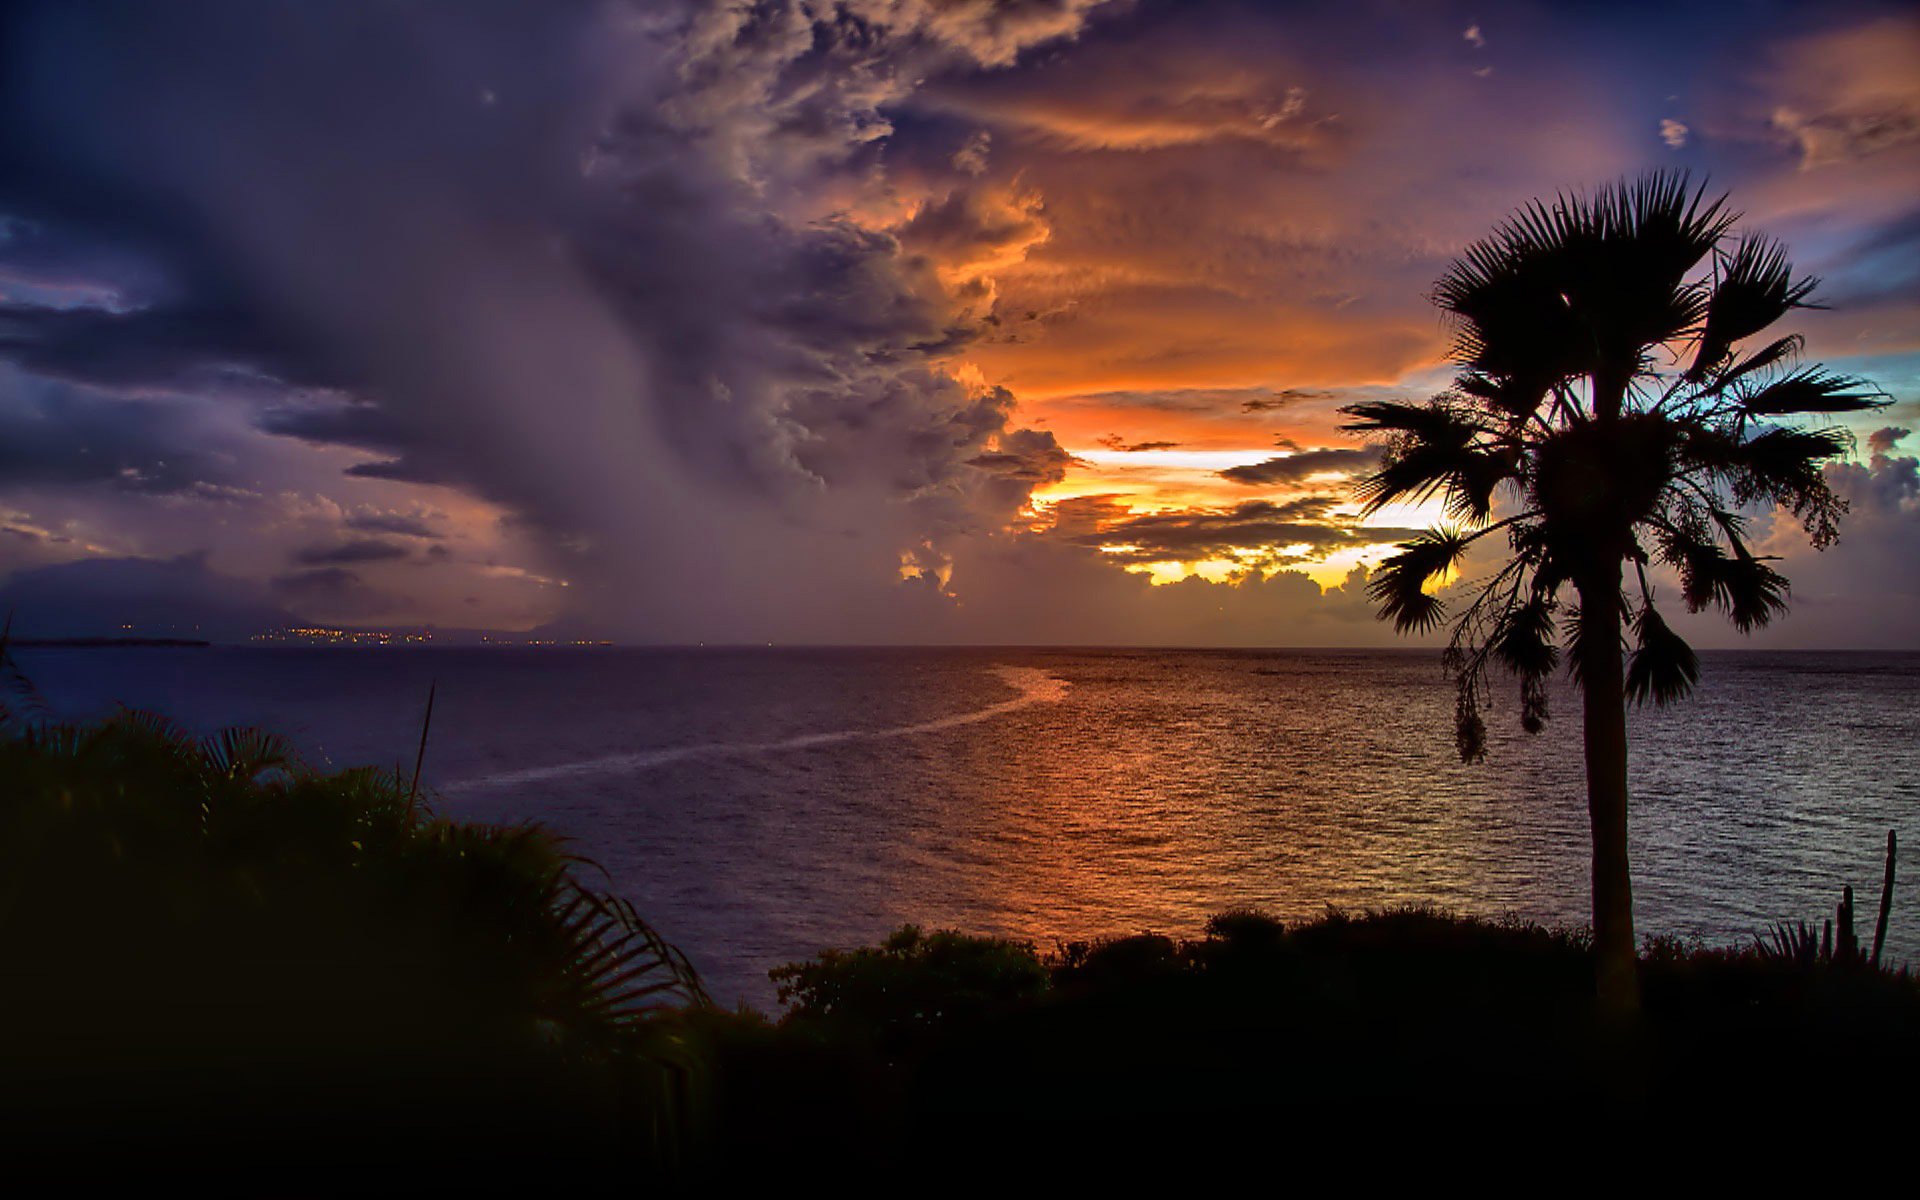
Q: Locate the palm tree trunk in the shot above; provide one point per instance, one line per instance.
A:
(1603, 684)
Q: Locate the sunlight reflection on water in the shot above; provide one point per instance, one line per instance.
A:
(758, 806)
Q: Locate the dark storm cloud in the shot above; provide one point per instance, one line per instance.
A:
(102, 286)
(52, 435)
(159, 140)
(410, 450)
(165, 346)
(359, 550)
(330, 593)
(565, 256)
(357, 423)
(1886, 489)
(836, 287)
(1292, 470)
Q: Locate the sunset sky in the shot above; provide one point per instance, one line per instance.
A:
(869, 321)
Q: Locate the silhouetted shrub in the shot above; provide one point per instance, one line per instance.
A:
(1119, 962)
(911, 985)
(1245, 929)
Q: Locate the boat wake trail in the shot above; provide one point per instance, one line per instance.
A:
(1034, 686)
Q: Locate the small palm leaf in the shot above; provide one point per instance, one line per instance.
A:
(1688, 546)
(1398, 585)
(1756, 288)
(1580, 650)
(1664, 668)
(623, 969)
(1797, 944)
(1771, 355)
(1812, 390)
(1512, 397)
(1476, 477)
(1534, 707)
(149, 731)
(1524, 639)
(1430, 422)
(1433, 450)
(1752, 592)
(1781, 459)
(241, 753)
(1469, 729)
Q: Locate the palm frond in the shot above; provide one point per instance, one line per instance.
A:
(629, 967)
(1469, 729)
(1511, 317)
(1586, 285)
(1523, 640)
(1580, 650)
(1771, 355)
(1755, 288)
(1813, 390)
(1752, 592)
(149, 731)
(1507, 395)
(1784, 466)
(1430, 422)
(1398, 584)
(1533, 543)
(1779, 465)
(1668, 214)
(1797, 943)
(246, 754)
(1434, 449)
(1689, 547)
(1476, 478)
(1534, 707)
(1664, 667)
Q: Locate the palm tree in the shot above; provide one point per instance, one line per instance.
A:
(1611, 415)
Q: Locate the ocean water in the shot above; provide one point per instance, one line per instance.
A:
(759, 805)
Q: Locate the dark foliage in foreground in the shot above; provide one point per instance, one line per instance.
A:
(212, 958)
(912, 986)
(1408, 1010)
(203, 942)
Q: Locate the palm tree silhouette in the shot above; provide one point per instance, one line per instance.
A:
(1608, 415)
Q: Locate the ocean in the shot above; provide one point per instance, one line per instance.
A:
(758, 805)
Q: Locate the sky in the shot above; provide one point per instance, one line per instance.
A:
(945, 321)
